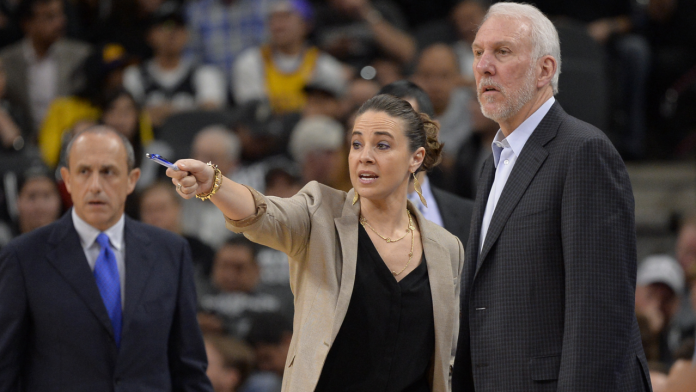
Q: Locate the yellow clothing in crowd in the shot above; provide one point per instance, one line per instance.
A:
(285, 90)
(62, 116)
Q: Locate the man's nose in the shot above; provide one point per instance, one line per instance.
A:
(95, 183)
(485, 64)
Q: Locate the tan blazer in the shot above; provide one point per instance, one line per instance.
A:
(318, 229)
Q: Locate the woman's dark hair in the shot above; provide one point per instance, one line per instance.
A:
(420, 130)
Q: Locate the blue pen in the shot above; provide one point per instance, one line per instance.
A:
(158, 158)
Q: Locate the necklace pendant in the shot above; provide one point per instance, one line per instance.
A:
(393, 272)
(388, 240)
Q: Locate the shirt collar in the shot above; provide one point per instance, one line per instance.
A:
(518, 138)
(88, 234)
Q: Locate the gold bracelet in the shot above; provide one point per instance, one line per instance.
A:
(217, 181)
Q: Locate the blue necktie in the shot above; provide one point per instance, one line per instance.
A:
(109, 284)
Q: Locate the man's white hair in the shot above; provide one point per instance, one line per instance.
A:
(544, 36)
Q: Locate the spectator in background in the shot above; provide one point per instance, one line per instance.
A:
(34, 199)
(323, 100)
(14, 131)
(160, 206)
(126, 23)
(221, 29)
(685, 319)
(122, 112)
(466, 16)
(316, 144)
(610, 23)
(359, 91)
(235, 293)
(168, 82)
(659, 287)
(229, 362)
(219, 145)
(279, 70)
(270, 337)
(41, 66)
(437, 72)
(103, 71)
(473, 152)
(357, 32)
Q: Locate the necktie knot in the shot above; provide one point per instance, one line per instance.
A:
(103, 240)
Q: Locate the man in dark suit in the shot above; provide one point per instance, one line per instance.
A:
(96, 301)
(446, 209)
(549, 282)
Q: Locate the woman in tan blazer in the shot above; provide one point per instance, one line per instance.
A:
(376, 285)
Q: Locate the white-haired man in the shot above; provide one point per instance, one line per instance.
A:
(548, 290)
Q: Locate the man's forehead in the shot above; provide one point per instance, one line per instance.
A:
(498, 29)
(98, 149)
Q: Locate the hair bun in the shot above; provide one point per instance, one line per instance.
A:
(433, 147)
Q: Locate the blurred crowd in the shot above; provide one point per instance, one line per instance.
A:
(267, 90)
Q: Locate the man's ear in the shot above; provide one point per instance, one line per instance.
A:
(133, 177)
(65, 175)
(549, 67)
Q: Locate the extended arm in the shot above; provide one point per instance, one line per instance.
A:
(599, 252)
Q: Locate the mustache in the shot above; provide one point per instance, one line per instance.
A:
(488, 82)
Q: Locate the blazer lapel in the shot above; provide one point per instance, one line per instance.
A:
(484, 188)
(437, 259)
(530, 160)
(69, 259)
(347, 228)
(140, 259)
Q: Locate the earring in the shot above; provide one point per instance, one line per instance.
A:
(419, 191)
(355, 198)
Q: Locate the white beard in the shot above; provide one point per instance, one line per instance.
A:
(514, 99)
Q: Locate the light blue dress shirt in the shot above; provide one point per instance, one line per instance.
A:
(88, 240)
(506, 150)
(431, 212)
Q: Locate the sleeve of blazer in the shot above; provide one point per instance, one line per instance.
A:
(187, 356)
(599, 251)
(281, 224)
(13, 320)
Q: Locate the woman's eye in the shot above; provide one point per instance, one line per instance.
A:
(356, 145)
(382, 146)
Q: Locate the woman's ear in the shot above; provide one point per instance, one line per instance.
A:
(417, 159)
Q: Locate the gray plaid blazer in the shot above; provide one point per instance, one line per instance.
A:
(548, 304)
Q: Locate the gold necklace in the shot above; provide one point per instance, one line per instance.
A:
(410, 228)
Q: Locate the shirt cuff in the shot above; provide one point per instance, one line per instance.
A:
(261, 206)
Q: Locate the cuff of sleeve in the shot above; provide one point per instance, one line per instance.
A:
(261, 206)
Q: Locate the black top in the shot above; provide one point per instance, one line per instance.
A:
(387, 339)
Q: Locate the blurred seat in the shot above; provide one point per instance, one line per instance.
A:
(583, 84)
(179, 129)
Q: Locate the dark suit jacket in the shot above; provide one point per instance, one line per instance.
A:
(55, 334)
(455, 211)
(548, 304)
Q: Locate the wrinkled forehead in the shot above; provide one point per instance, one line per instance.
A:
(98, 149)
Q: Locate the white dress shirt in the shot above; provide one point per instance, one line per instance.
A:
(42, 79)
(88, 240)
(507, 150)
(431, 212)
